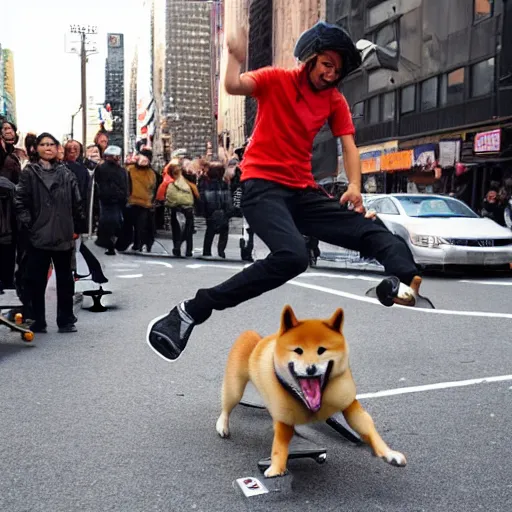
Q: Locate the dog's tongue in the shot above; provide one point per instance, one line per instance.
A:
(311, 388)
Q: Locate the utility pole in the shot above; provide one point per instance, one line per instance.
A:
(83, 65)
(84, 52)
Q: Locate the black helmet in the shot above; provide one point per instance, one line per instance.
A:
(325, 36)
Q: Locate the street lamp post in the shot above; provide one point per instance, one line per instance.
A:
(84, 31)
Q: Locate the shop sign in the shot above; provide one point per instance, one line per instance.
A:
(488, 142)
(370, 162)
(398, 161)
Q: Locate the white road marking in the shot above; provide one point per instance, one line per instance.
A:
(163, 263)
(490, 283)
(123, 269)
(341, 276)
(130, 276)
(128, 265)
(213, 265)
(417, 310)
(430, 387)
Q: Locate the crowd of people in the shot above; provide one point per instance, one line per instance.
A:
(51, 194)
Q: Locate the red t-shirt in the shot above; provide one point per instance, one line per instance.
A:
(290, 114)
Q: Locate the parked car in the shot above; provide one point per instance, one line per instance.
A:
(441, 230)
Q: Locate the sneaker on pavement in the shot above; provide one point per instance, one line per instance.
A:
(391, 291)
(168, 334)
(68, 328)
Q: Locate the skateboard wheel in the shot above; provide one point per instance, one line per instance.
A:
(27, 336)
(18, 318)
(321, 459)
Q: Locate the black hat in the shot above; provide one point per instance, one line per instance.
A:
(148, 153)
(43, 135)
(325, 36)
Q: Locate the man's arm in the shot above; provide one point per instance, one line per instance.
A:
(233, 82)
(352, 164)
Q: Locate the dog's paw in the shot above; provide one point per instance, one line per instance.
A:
(273, 472)
(395, 458)
(222, 426)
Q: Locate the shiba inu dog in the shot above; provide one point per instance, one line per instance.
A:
(303, 375)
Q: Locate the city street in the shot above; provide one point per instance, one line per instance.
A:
(95, 421)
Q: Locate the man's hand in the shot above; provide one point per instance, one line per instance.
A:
(353, 195)
(237, 45)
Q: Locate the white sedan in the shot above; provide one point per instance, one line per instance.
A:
(441, 230)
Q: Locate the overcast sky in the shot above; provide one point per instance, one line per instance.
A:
(48, 79)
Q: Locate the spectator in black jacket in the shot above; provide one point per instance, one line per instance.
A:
(7, 233)
(112, 185)
(49, 210)
(218, 207)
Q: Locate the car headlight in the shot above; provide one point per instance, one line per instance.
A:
(430, 241)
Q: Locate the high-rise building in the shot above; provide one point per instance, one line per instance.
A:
(188, 97)
(131, 117)
(8, 86)
(114, 87)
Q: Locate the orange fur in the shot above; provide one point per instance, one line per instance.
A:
(317, 351)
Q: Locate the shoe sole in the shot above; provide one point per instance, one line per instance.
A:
(150, 327)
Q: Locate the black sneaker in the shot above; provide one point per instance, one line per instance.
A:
(168, 334)
(391, 291)
(68, 328)
(38, 328)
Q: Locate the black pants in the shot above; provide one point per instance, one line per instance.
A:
(211, 231)
(142, 234)
(280, 216)
(179, 236)
(7, 265)
(38, 262)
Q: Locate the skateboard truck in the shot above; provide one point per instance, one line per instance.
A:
(317, 453)
(96, 296)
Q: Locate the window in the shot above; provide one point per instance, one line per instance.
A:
(358, 114)
(388, 106)
(452, 87)
(482, 10)
(429, 94)
(408, 99)
(482, 78)
(381, 12)
(384, 206)
(374, 113)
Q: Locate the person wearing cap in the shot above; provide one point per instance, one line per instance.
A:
(281, 200)
(112, 187)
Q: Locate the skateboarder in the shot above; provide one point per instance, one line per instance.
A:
(281, 200)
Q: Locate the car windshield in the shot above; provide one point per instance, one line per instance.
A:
(431, 206)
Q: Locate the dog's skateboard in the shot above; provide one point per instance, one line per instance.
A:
(9, 300)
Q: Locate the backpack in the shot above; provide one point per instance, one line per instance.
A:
(177, 195)
(7, 216)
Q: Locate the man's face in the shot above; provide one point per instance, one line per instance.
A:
(327, 70)
(93, 154)
(47, 149)
(72, 151)
(8, 133)
(102, 142)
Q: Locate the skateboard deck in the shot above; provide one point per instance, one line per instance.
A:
(421, 302)
(9, 300)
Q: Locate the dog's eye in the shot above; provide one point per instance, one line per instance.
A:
(299, 351)
(321, 350)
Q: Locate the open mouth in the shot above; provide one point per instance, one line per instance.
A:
(311, 387)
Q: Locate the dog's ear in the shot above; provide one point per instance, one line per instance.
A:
(336, 320)
(288, 319)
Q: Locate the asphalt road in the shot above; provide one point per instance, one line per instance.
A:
(95, 421)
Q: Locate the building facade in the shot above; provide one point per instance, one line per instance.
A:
(7, 86)
(114, 87)
(449, 103)
(187, 118)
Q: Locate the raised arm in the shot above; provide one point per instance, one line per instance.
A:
(234, 83)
